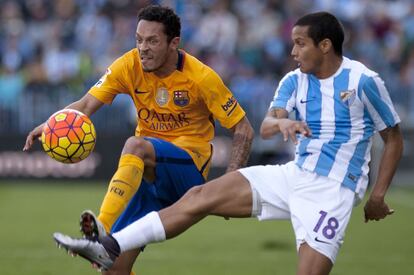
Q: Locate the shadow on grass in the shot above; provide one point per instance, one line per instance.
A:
(276, 245)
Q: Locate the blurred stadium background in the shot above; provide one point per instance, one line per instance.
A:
(51, 52)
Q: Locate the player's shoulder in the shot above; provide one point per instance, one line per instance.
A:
(357, 67)
(293, 78)
(295, 74)
(196, 70)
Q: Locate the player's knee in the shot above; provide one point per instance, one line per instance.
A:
(196, 200)
(197, 189)
(193, 193)
(136, 146)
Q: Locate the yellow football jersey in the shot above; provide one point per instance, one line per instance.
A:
(180, 108)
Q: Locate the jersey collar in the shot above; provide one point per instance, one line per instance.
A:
(180, 62)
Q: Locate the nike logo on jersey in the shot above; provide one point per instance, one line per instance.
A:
(305, 101)
(139, 92)
(320, 241)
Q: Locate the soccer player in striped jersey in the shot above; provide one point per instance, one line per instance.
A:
(178, 99)
(339, 104)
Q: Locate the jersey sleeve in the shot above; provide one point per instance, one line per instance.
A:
(378, 103)
(113, 82)
(220, 101)
(285, 94)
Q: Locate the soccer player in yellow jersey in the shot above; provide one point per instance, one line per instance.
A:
(177, 99)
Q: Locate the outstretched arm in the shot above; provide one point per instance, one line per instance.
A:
(243, 135)
(276, 121)
(88, 105)
(376, 208)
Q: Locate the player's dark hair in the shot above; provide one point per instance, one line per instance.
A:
(164, 15)
(324, 25)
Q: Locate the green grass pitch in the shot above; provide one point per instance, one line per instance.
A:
(31, 212)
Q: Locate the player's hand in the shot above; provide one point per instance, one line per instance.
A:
(35, 133)
(376, 209)
(289, 128)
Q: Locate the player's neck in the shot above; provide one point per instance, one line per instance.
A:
(169, 66)
(329, 67)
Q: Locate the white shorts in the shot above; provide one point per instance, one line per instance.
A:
(319, 207)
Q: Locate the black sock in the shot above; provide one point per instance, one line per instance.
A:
(111, 246)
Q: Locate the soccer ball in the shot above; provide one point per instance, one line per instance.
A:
(68, 136)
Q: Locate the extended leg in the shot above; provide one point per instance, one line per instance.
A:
(228, 196)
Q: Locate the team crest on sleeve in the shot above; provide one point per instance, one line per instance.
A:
(161, 96)
(103, 78)
(181, 98)
(348, 97)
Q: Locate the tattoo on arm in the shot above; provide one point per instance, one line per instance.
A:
(240, 151)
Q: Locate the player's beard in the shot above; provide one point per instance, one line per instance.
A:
(150, 68)
(158, 63)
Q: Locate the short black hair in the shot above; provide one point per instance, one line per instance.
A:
(324, 25)
(164, 15)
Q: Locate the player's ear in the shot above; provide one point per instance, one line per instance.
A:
(325, 45)
(175, 42)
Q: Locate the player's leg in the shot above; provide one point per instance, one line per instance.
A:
(260, 191)
(320, 212)
(123, 264)
(137, 160)
(227, 196)
(230, 195)
(175, 174)
(311, 262)
(141, 203)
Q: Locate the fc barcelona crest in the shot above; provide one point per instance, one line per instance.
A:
(162, 96)
(181, 98)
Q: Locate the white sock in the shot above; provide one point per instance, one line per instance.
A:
(148, 229)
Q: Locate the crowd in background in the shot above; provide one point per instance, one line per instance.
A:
(52, 52)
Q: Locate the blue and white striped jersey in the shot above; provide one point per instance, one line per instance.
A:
(343, 112)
